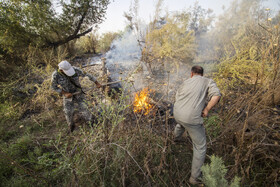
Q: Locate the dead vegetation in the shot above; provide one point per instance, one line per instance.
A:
(249, 140)
(127, 148)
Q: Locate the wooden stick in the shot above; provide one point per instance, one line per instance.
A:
(108, 83)
(88, 65)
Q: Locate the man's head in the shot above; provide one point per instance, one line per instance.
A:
(196, 70)
(66, 68)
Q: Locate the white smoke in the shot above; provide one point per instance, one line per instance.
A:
(124, 58)
(125, 51)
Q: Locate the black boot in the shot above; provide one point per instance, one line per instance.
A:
(72, 128)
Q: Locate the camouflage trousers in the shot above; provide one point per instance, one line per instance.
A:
(69, 108)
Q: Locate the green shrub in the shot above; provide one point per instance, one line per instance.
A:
(212, 126)
(22, 147)
(214, 174)
(6, 170)
(171, 42)
(104, 43)
(20, 181)
(6, 134)
(87, 44)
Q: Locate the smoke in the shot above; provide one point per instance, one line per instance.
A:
(125, 51)
(125, 56)
(213, 43)
(230, 30)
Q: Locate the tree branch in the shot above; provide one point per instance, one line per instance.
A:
(68, 39)
(73, 36)
(80, 23)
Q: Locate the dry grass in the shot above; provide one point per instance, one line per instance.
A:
(250, 137)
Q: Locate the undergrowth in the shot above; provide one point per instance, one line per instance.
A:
(122, 148)
(215, 172)
(127, 149)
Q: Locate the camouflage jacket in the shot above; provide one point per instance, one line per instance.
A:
(61, 82)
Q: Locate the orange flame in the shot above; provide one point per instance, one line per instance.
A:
(141, 102)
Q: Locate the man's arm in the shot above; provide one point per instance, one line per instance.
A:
(215, 95)
(213, 101)
(98, 84)
(54, 86)
(66, 94)
(92, 78)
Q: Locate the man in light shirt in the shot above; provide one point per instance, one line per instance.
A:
(189, 110)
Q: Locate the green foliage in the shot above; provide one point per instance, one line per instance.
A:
(6, 135)
(87, 44)
(238, 70)
(111, 111)
(248, 76)
(38, 24)
(8, 111)
(170, 41)
(25, 23)
(214, 174)
(200, 19)
(93, 43)
(105, 41)
(212, 125)
(22, 147)
(250, 51)
(230, 35)
(6, 170)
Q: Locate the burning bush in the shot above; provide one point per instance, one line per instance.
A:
(142, 102)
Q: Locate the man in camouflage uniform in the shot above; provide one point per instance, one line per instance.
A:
(66, 82)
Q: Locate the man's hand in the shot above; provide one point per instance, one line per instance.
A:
(205, 112)
(98, 85)
(213, 101)
(66, 94)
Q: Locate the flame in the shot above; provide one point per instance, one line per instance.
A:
(141, 102)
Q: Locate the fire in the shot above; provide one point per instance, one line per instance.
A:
(141, 102)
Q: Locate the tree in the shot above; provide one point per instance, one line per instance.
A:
(200, 19)
(276, 19)
(38, 23)
(200, 22)
(230, 33)
(88, 43)
(105, 41)
(169, 40)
